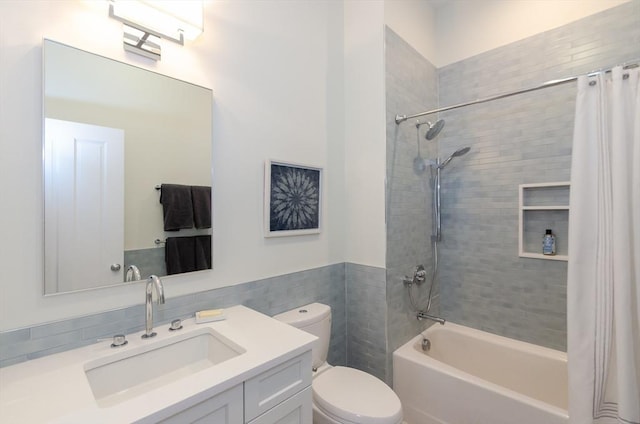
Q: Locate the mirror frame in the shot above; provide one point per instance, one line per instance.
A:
(209, 123)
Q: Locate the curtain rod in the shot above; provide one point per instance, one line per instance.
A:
(552, 83)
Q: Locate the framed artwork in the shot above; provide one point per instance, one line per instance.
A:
(292, 199)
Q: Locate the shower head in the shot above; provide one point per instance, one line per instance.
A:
(459, 152)
(434, 129)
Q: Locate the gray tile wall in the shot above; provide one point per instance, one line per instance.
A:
(356, 294)
(522, 139)
(149, 261)
(269, 296)
(366, 308)
(411, 86)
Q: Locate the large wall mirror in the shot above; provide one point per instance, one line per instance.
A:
(117, 141)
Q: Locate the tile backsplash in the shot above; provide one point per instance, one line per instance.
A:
(269, 296)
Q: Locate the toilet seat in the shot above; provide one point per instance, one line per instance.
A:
(354, 396)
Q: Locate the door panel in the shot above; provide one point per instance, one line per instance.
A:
(84, 205)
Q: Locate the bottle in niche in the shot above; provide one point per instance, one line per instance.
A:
(549, 243)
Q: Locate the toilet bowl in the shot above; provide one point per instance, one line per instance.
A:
(341, 395)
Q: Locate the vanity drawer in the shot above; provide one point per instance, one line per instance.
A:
(295, 410)
(268, 389)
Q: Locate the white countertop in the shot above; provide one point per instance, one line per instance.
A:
(55, 388)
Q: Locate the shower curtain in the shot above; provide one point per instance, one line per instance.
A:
(603, 294)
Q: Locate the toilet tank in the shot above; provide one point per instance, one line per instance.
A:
(314, 318)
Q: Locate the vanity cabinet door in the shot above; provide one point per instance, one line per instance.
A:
(295, 410)
(268, 389)
(224, 408)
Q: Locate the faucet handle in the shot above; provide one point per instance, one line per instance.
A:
(419, 276)
(176, 324)
(117, 340)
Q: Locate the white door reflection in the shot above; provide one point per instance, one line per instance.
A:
(84, 213)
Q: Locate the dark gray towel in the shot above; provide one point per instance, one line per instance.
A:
(177, 206)
(179, 255)
(201, 198)
(203, 252)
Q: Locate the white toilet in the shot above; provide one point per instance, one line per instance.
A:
(341, 395)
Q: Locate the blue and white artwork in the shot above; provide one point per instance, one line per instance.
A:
(293, 199)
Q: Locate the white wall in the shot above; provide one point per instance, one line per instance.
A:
(364, 129)
(415, 22)
(276, 70)
(465, 28)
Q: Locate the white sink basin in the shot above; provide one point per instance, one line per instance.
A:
(134, 371)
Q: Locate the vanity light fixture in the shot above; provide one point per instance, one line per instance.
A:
(147, 21)
(141, 42)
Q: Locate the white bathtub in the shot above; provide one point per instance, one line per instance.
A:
(473, 377)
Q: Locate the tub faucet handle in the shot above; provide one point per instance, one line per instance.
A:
(419, 276)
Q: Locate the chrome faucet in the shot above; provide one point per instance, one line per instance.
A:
(133, 274)
(152, 281)
(423, 315)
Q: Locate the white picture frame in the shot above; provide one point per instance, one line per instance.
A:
(292, 199)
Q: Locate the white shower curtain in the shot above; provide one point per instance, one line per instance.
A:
(603, 294)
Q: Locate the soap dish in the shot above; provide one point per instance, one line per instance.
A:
(210, 316)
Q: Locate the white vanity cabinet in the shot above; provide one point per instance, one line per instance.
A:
(280, 395)
(246, 369)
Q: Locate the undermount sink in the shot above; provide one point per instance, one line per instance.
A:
(135, 371)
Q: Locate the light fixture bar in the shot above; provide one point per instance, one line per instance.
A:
(141, 42)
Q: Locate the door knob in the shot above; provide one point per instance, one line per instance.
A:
(115, 267)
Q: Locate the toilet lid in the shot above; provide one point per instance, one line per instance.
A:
(356, 396)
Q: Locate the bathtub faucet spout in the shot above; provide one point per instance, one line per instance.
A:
(424, 315)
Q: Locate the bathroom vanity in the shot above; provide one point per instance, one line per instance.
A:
(248, 368)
